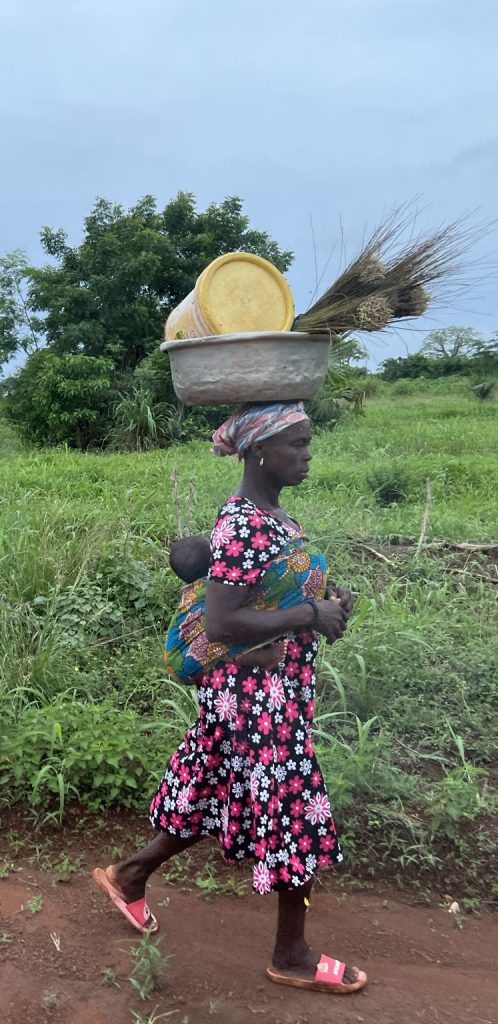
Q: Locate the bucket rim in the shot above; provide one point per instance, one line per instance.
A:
(223, 339)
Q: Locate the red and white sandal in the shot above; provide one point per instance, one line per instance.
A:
(328, 978)
(137, 913)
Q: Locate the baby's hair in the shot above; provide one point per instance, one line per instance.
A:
(189, 558)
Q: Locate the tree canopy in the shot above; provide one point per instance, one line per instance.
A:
(109, 296)
(21, 330)
(451, 342)
(97, 310)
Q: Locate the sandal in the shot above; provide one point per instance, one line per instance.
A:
(137, 913)
(328, 978)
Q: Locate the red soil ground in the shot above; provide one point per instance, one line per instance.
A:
(423, 963)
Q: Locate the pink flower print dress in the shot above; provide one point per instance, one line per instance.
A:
(246, 772)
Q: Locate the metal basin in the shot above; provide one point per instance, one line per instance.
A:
(258, 367)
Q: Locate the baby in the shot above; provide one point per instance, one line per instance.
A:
(189, 559)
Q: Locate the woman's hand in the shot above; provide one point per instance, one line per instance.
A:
(345, 596)
(332, 619)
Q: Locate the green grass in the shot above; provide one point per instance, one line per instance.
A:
(408, 699)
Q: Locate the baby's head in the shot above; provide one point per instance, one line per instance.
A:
(189, 558)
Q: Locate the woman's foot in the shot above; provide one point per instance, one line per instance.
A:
(128, 881)
(135, 911)
(301, 963)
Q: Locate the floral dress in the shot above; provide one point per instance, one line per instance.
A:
(246, 772)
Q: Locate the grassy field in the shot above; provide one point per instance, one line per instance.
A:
(408, 700)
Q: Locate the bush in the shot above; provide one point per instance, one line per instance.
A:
(97, 754)
(390, 484)
(486, 391)
(142, 424)
(60, 399)
(153, 374)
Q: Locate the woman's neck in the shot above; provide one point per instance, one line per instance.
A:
(262, 492)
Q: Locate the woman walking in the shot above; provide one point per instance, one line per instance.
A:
(246, 772)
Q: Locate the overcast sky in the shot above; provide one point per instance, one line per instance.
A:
(329, 110)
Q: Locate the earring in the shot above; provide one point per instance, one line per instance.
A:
(261, 460)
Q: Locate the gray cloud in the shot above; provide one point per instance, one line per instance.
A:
(334, 111)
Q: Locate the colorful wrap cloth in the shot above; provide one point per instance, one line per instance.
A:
(296, 575)
(255, 423)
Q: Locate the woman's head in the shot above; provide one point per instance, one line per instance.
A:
(283, 459)
(274, 438)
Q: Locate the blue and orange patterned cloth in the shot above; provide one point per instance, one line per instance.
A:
(296, 575)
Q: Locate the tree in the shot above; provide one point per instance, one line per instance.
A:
(416, 365)
(20, 327)
(61, 399)
(100, 308)
(109, 296)
(450, 342)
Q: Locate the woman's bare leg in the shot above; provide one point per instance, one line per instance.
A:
(292, 954)
(131, 874)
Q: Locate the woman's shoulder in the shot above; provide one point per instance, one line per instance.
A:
(232, 506)
(241, 509)
(237, 513)
(240, 515)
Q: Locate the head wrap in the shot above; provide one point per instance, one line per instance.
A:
(255, 423)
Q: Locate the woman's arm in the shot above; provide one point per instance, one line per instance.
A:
(229, 620)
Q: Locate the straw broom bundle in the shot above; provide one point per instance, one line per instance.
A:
(390, 281)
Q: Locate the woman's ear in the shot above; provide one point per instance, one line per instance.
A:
(257, 450)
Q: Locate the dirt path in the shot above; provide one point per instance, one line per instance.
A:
(422, 965)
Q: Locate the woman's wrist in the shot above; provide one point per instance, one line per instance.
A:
(315, 613)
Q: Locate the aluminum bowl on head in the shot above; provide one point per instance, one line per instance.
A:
(254, 367)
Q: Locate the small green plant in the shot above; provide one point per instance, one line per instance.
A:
(109, 977)
(149, 966)
(390, 484)
(16, 843)
(41, 859)
(49, 1000)
(459, 796)
(6, 868)
(5, 938)
(34, 905)
(211, 884)
(66, 867)
(178, 873)
(152, 1018)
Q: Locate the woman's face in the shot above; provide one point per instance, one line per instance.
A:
(287, 455)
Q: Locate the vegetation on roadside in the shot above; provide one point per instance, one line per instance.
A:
(407, 701)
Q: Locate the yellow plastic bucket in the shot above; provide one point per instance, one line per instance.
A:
(236, 293)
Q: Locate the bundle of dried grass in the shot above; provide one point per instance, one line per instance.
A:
(411, 301)
(372, 314)
(391, 280)
(372, 271)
